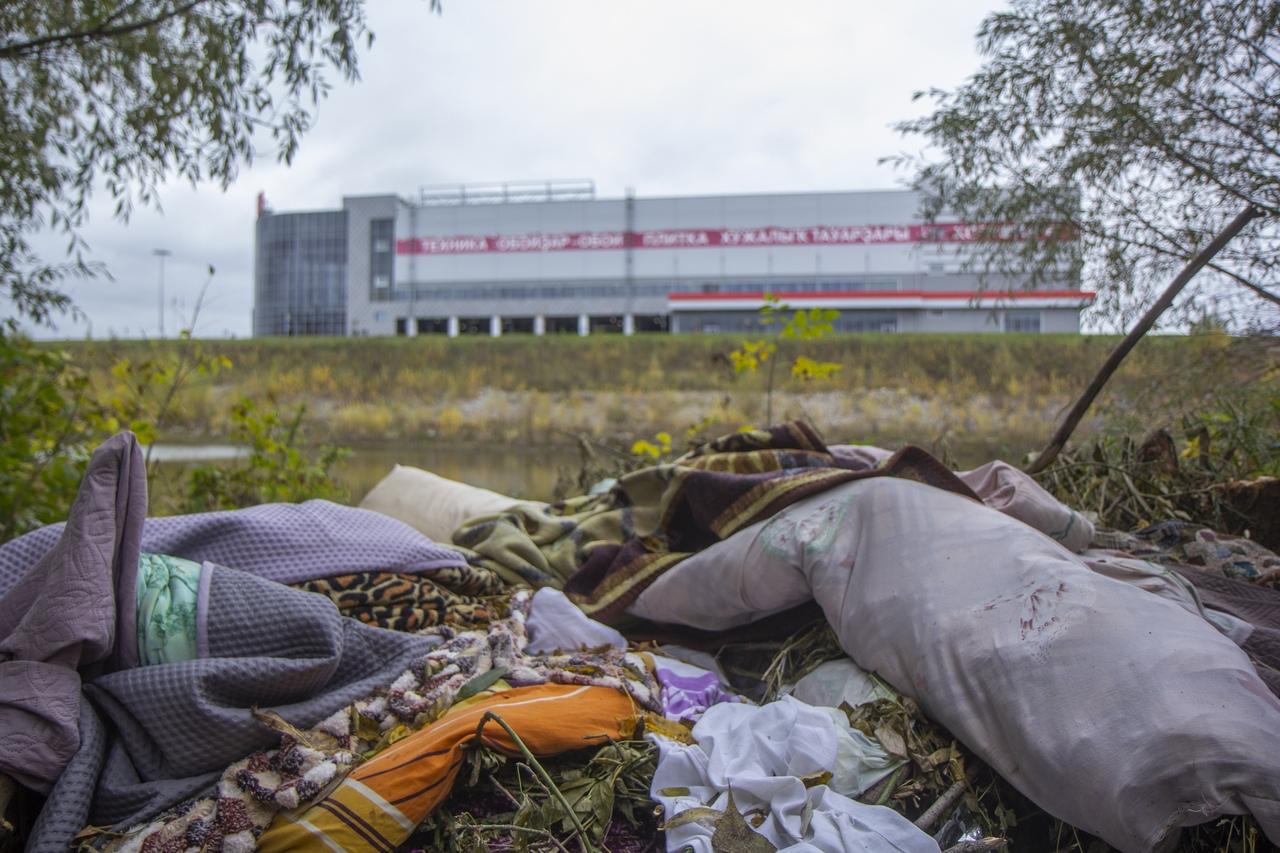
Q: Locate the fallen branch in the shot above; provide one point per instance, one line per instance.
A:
(934, 813)
(511, 827)
(543, 776)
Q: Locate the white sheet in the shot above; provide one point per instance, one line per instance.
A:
(763, 752)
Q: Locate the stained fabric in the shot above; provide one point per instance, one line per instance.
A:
(836, 682)
(954, 604)
(463, 666)
(168, 601)
(1174, 542)
(64, 616)
(606, 549)
(688, 690)
(1257, 605)
(769, 757)
(115, 743)
(286, 543)
(377, 806)
(555, 624)
(464, 596)
(1007, 489)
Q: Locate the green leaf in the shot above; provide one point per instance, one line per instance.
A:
(481, 682)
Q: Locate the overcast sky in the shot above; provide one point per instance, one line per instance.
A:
(670, 97)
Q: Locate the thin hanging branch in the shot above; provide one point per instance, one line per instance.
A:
(13, 50)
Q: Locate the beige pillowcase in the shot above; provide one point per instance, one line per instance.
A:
(432, 504)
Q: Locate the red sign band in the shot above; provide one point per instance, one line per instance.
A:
(594, 241)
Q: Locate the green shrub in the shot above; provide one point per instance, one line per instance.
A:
(276, 469)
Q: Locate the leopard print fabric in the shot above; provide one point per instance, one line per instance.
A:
(465, 596)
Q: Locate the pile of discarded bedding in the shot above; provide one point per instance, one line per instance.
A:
(769, 644)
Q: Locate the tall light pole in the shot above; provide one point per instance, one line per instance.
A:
(161, 254)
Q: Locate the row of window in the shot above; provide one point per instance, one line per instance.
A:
(553, 325)
(847, 322)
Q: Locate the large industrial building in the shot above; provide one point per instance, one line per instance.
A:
(552, 258)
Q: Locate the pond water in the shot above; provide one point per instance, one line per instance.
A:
(521, 471)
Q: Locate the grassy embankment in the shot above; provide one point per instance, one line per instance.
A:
(1000, 391)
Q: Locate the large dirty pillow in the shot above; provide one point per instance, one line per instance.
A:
(432, 504)
(1118, 711)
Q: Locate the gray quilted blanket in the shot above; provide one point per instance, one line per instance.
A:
(113, 743)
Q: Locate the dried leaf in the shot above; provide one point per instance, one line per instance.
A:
(317, 740)
(892, 742)
(734, 835)
(936, 758)
(670, 729)
(693, 814)
(674, 792)
(806, 817)
(815, 779)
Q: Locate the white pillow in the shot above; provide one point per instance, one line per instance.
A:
(432, 504)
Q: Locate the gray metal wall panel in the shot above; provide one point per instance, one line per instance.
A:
(1059, 320)
(364, 316)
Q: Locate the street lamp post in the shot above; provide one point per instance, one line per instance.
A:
(161, 254)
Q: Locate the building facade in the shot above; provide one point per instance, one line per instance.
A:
(552, 258)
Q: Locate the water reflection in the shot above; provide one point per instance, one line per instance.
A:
(531, 472)
(523, 472)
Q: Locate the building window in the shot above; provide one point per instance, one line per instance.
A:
(562, 325)
(866, 321)
(651, 323)
(517, 325)
(608, 324)
(381, 258)
(1022, 321)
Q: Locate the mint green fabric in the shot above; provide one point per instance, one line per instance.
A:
(168, 592)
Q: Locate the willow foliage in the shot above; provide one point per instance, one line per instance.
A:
(118, 95)
(1142, 125)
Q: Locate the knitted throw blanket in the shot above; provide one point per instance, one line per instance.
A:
(603, 550)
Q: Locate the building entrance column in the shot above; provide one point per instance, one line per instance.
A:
(628, 324)
(540, 324)
(495, 326)
(451, 327)
(584, 325)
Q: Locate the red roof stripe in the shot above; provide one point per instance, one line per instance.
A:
(888, 294)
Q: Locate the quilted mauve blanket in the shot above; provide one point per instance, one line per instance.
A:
(114, 743)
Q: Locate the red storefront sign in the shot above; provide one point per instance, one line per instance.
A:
(589, 241)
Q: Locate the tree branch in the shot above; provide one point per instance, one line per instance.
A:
(1069, 218)
(14, 50)
(1144, 325)
(1244, 282)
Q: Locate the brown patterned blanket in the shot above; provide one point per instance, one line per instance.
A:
(603, 550)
